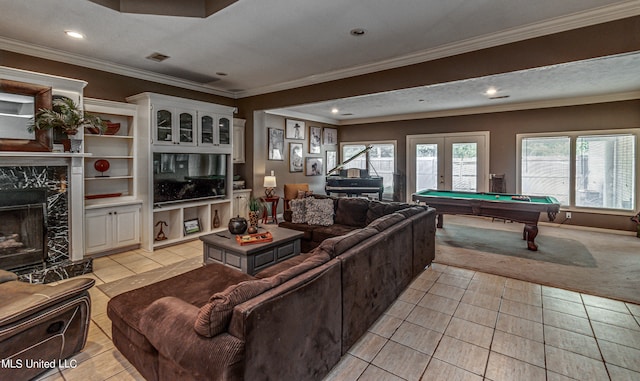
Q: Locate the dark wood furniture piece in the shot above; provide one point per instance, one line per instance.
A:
(497, 205)
(223, 248)
(274, 209)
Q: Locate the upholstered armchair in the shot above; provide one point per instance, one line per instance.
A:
(291, 192)
(41, 323)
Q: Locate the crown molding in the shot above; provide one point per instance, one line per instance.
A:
(577, 101)
(301, 115)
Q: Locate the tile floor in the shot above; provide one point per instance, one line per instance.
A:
(450, 324)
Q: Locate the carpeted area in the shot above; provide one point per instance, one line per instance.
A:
(598, 263)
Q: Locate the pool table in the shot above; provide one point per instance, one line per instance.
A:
(519, 208)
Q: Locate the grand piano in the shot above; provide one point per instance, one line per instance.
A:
(353, 181)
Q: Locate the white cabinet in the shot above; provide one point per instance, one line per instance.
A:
(111, 228)
(214, 130)
(238, 141)
(173, 125)
(241, 202)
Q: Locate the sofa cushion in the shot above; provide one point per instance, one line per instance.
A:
(319, 211)
(323, 232)
(213, 318)
(408, 212)
(338, 245)
(378, 209)
(352, 212)
(384, 222)
(298, 211)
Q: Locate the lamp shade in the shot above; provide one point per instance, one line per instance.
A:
(269, 182)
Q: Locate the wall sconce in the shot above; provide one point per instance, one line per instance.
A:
(269, 185)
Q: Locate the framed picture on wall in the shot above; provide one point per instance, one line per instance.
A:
(295, 129)
(275, 143)
(313, 166)
(332, 160)
(295, 157)
(330, 136)
(314, 139)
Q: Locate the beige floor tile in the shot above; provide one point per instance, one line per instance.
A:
(522, 310)
(439, 303)
(609, 304)
(103, 262)
(416, 337)
(401, 360)
(574, 365)
(447, 291)
(620, 355)
(624, 320)
(127, 257)
(438, 267)
(505, 368)
(113, 273)
(411, 295)
(373, 373)
(348, 369)
(476, 314)
(628, 337)
(368, 346)
(519, 348)
(564, 306)
(520, 327)
(103, 322)
(50, 375)
(422, 284)
(621, 374)
(470, 332)
(428, 318)
(98, 302)
(559, 293)
(487, 288)
(462, 273)
(490, 279)
(452, 280)
(400, 309)
(481, 300)
(634, 309)
(129, 374)
(99, 367)
(571, 341)
(522, 296)
(567, 321)
(463, 355)
(386, 325)
(523, 286)
(440, 370)
(142, 265)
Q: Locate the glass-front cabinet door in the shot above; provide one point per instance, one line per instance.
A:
(187, 126)
(206, 130)
(224, 131)
(164, 126)
(214, 130)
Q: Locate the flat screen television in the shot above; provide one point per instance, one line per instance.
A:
(188, 176)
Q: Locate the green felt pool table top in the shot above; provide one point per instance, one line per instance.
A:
(502, 197)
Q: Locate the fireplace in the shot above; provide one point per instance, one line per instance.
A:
(23, 231)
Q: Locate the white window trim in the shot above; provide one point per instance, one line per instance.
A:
(572, 135)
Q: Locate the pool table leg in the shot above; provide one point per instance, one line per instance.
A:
(439, 221)
(530, 233)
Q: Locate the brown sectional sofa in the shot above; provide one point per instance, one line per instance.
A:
(292, 321)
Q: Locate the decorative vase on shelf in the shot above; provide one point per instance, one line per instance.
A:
(216, 219)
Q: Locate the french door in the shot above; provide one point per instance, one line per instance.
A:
(458, 162)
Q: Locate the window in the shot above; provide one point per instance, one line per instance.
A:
(379, 161)
(582, 169)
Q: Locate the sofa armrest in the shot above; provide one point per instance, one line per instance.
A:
(6, 276)
(168, 325)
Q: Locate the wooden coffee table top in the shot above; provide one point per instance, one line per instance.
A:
(227, 240)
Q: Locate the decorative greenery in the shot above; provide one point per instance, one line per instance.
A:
(65, 116)
(255, 204)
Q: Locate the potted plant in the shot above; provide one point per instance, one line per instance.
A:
(65, 116)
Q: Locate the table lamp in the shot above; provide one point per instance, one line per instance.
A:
(269, 185)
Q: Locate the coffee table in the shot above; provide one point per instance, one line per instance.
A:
(223, 248)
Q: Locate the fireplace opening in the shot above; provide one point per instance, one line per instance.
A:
(23, 229)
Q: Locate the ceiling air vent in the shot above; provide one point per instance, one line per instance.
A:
(500, 97)
(158, 57)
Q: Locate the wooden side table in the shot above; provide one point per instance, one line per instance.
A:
(274, 209)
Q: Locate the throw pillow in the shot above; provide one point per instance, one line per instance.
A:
(298, 211)
(319, 211)
(305, 194)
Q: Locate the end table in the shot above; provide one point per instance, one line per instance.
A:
(274, 209)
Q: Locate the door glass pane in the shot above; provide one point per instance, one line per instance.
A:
(186, 128)
(163, 121)
(545, 167)
(224, 131)
(206, 135)
(426, 166)
(464, 167)
(604, 171)
(382, 163)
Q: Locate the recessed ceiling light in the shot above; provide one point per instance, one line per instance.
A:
(335, 110)
(357, 32)
(491, 91)
(74, 34)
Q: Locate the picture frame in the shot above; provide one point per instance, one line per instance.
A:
(331, 160)
(313, 166)
(192, 226)
(295, 157)
(329, 136)
(315, 136)
(295, 129)
(275, 142)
